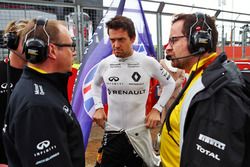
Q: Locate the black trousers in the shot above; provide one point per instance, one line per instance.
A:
(118, 152)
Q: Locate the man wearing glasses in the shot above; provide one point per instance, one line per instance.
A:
(40, 127)
(208, 124)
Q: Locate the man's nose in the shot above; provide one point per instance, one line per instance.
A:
(116, 44)
(168, 47)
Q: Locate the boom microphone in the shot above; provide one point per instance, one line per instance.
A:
(201, 50)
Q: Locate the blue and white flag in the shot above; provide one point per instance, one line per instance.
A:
(98, 48)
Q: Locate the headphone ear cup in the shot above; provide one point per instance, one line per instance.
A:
(191, 44)
(36, 50)
(200, 39)
(11, 40)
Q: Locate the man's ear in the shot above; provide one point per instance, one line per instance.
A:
(52, 51)
(133, 39)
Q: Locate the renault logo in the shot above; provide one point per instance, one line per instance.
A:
(113, 79)
(42, 145)
(136, 76)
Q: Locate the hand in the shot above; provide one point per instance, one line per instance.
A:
(153, 118)
(100, 117)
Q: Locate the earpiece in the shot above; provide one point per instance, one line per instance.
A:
(200, 35)
(36, 50)
(11, 40)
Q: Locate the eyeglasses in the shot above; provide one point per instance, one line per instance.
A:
(72, 46)
(172, 40)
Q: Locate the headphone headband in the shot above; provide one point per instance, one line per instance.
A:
(36, 50)
(40, 21)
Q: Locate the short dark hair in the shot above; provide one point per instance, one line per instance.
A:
(122, 22)
(190, 19)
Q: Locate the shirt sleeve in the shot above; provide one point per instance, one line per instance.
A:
(41, 138)
(166, 82)
(97, 86)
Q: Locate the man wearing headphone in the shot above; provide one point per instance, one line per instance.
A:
(40, 128)
(10, 69)
(208, 123)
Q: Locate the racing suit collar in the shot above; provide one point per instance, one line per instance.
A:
(59, 80)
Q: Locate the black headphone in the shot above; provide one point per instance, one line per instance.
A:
(36, 50)
(11, 40)
(200, 39)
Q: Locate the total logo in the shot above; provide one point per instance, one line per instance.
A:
(207, 152)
